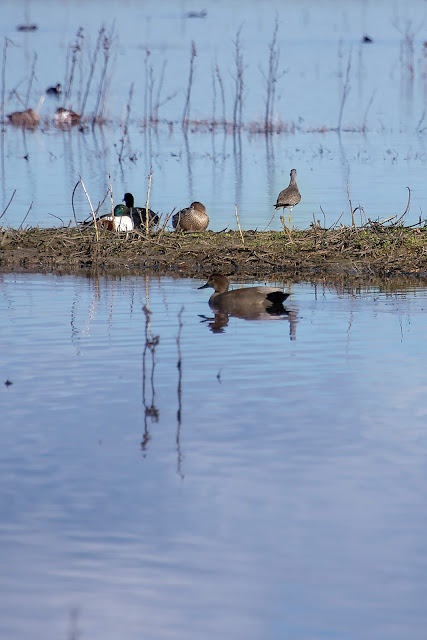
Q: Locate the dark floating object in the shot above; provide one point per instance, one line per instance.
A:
(8, 383)
(66, 117)
(248, 302)
(196, 14)
(27, 27)
(367, 39)
(193, 218)
(54, 91)
(27, 119)
(137, 213)
(289, 197)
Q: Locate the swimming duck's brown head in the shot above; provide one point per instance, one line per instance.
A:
(218, 282)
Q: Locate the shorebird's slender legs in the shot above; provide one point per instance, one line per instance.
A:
(290, 214)
(284, 221)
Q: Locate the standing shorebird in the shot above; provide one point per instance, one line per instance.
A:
(289, 197)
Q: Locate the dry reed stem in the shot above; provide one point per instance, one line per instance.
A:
(148, 201)
(238, 224)
(91, 208)
(110, 188)
(7, 206)
(351, 208)
(345, 91)
(25, 217)
(186, 112)
(407, 207)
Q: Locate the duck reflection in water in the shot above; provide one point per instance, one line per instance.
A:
(248, 303)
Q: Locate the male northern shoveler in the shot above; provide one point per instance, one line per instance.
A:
(139, 215)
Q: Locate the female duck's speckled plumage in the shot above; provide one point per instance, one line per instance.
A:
(139, 215)
(193, 218)
(27, 119)
(245, 302)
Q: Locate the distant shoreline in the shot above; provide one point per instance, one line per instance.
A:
(392, 253)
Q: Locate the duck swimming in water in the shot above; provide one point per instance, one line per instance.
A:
(193, 218)
(247, 302)
(54, 91)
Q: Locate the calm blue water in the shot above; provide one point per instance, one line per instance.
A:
(386, 93)
(286, 499)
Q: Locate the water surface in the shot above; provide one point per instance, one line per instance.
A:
(276, 488)
(380, 152)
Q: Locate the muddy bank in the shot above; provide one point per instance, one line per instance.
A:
(371, 253)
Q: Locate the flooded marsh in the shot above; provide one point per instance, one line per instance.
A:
(275, 475)
(174, 468)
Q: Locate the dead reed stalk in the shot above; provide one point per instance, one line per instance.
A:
(125, 128)
(30, 81)
(186, 112)
(238, 83)
(7, 206)
(91, 208)
(92, 67)
(272, 78)
(106, 46)
(26, 215)
(221, 86)
(238, 224)
(75, 50)
(345, 91)
(7, 42)
(148, 202)
(146, 67)
(351, 208)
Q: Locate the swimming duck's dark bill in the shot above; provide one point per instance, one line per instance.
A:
(204, 286)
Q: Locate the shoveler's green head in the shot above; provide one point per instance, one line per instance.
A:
(121, 210)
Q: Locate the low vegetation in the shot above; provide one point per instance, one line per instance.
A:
(375, 251)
